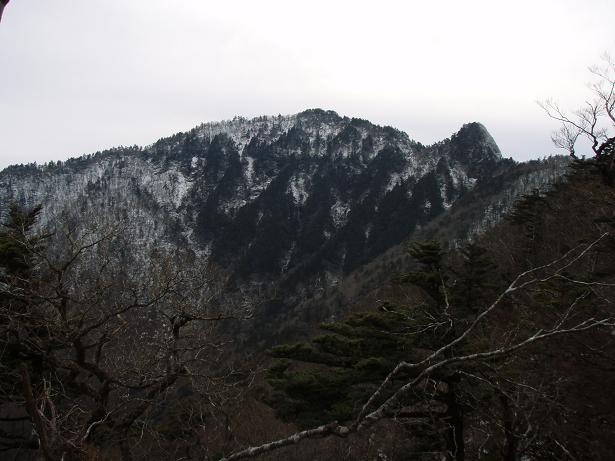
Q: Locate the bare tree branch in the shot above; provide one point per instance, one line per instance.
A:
(427, 367)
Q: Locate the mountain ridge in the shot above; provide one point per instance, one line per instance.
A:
(292, 203)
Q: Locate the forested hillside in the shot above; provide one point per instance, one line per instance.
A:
(287, 207)
(131, 330)
(499, 350)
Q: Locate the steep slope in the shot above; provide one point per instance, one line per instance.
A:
(289, 203)
(478, 210)
(271, 192)
(561, 241)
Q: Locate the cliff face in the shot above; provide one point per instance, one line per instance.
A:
(300, 199)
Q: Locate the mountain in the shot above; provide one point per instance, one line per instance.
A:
(289, 204)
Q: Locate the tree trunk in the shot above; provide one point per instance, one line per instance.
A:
(125, 451)
(509, 451)
(37, 420)
(454, 415)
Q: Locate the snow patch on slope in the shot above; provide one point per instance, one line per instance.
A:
(416, 167)
(339, 213)
(242, 130)
(298, 189)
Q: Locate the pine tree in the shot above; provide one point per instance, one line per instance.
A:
(17, 241)
(527, 213)
(430, 276)
(329, 377)
(326, 378)
(475, 282)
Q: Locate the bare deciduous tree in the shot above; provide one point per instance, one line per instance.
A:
(594, 121)
(574, 317)
(104, 333)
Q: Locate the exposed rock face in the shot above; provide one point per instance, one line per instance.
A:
(301, 198)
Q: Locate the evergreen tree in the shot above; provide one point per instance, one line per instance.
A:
(331, 376)
(527, 214)
(431, 275)
(474, 279)
(328, 377)
(17, 241)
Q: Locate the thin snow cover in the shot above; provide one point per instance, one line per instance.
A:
(230, 207)
(427, 205)
(249, 172)
(459, 179)
(339, 213)
(331, 279)
(379, 141)
(288, 257)
(343, 151)
(207, 250)
(169, 187)
(194, 162)
(106, 191)
(242, 130)
(501, 204)
(368, 230)
(255, 189)
(395, 180)
(416, 167)
(201, 251)
(253, 185)
(443, 190)
(322, 131)
(179, 189)
(297, 188)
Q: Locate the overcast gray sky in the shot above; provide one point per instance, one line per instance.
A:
(77, 76)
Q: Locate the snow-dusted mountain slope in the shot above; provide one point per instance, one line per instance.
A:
(267, 193)
(301, 199)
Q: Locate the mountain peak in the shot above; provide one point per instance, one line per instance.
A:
(473, 145)
(304, 199)
(320, 114)
(476, 135)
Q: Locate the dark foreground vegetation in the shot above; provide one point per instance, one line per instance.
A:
(500, 348)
